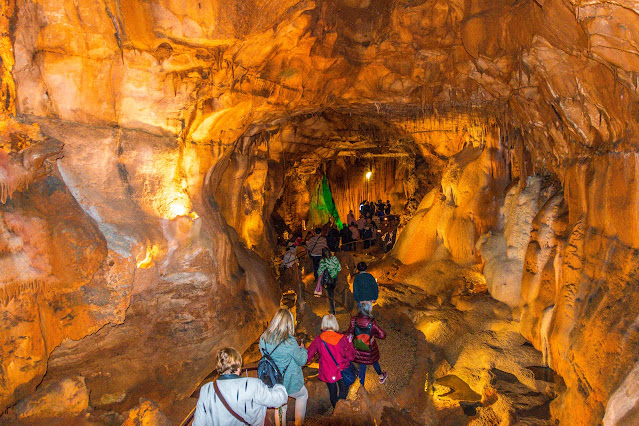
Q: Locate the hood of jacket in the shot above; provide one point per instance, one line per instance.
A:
(331, 337)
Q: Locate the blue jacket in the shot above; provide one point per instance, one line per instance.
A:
(290, 357)
(365, 287)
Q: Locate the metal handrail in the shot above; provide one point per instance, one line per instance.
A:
(306, 254)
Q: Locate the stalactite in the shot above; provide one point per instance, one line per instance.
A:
(10, 291)
(12, 180)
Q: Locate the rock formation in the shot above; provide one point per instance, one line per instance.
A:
(144, 242)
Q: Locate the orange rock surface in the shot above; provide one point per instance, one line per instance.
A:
(146, 245)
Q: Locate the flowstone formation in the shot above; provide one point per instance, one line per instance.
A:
(179, 129)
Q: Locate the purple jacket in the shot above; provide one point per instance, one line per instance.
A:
(342, 350)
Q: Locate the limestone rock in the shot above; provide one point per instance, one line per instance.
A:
(66, 398)
(451, 217)
(170, 111)
(147, 413)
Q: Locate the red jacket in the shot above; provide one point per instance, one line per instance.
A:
(372, 356)
(341, 348)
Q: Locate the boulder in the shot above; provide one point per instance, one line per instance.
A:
(66, 398)
(147, 413)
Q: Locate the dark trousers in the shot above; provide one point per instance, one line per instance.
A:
(331, 299)
(316, 262)
(362, 371)
(335, 393)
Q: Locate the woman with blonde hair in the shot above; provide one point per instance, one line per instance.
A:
(235, 400)
(279, 342)
(335, 353)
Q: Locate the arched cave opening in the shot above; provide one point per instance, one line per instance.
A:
(153, 155)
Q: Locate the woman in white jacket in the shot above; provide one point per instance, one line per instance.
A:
(248, 397)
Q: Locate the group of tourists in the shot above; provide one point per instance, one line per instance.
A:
(372, 222)
(371, 208)
(236, 400)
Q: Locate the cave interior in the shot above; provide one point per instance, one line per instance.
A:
(155, 156)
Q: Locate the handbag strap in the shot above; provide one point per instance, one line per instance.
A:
(329, 352)
(227, 406)
(316, 241)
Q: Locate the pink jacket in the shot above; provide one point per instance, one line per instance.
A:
(342, 350)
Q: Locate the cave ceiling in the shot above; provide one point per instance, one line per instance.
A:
(562, 74)
(133, 132)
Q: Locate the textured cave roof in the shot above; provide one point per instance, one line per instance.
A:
(562, 74)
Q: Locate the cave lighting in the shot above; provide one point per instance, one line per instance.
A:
(178, 209)
(368, 175)
(181, 207)
(151, 252)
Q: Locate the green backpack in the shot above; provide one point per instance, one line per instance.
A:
(362, 339)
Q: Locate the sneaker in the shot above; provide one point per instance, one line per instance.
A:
(383, 377)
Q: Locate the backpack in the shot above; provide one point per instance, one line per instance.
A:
(268, 371)
(362, 339)
(328, 282)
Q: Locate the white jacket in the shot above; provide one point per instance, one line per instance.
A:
(249, 397)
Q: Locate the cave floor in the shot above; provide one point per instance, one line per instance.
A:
(438, 351)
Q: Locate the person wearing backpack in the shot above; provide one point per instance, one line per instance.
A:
(328, 269)
(365, 331)
(335, 355)
(235, 400)
(278, 344)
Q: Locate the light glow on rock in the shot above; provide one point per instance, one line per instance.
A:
(151, 252)
(177, 208)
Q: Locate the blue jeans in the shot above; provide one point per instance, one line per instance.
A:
(362, 371)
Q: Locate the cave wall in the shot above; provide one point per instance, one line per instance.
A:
(120, 281)
(392, 179)
(182, 84)
(464, 206)
(562, 254)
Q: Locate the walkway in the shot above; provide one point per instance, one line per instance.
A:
(439, 350)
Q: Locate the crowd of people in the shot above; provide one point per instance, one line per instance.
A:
(343, 357)
(321, 244)
(374, 227)
(374, 221)
(236, 400)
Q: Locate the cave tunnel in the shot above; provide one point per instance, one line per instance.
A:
(157, 157)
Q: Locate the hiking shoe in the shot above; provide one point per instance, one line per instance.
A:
(383, 377)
